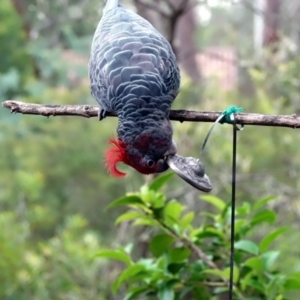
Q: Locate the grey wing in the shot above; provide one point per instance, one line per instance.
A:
(130, 59)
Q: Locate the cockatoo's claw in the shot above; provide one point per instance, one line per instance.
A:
(101, 114)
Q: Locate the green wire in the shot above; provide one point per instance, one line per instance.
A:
(223, 118)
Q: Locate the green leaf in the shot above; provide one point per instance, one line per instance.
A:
(246, 279)
(160, 244)
(268, 239)
(129, 216)
(295, 275)
(146, 221)
(257, 286)
(132, 199)
(128, 273)
(254, 263)
(174, 209)
(166, 293)
(208, 215)
(132, 293)
(220, 291)
(215, 201)
(292, 282)
(291, 285)
(242, 227)
(263, 216)
(247, 246)
(268, 259)
(225, 274)
(239, 223)
(209, 231)
(274, 286)
(258, 204)
(178, 254)
(219, 273)
(277, 281)
(114, 254)
(155, 199)
(236, 274)
(244, 209)
(128, 248)
(148, 263)
(158, 213)
(159, 181)
(174, 268)
(194, 233)
(186, 220)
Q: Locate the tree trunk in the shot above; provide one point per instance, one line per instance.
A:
(178, 26)
(271, 23)
(20, 9)
(185, 29)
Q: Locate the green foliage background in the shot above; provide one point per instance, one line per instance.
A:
(53, 185)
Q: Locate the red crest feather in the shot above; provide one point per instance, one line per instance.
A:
(114, 155)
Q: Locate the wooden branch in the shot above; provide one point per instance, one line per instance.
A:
(87, 111)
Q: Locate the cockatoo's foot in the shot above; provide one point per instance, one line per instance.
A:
(101, 114)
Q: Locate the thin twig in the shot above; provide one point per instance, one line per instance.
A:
(87, 111)
(197, 251)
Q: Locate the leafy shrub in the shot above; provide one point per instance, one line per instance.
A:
(190, 261)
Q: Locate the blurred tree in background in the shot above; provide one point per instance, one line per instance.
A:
(53, 185)
(15, 67)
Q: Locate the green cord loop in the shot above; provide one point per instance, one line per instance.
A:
(225, 117)
(228, 112)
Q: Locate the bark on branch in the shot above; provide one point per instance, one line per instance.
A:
(87, 111)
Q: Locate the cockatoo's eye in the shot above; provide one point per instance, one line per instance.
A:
(150, 163)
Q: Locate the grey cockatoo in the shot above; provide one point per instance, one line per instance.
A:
(133, 73)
